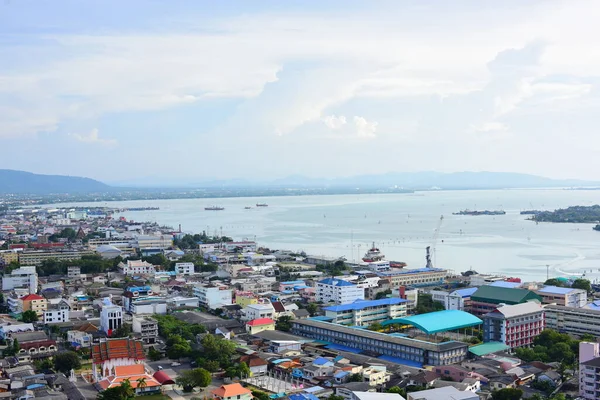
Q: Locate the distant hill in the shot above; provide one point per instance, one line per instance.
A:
(21, 182)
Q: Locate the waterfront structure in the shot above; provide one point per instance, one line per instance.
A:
(415, 277)
(259, 325)
(111, 317)
(36, 257)
(487, 298)
(35, 303)
(213, 296)
(23, 277)
(184, 268)
(136, 267)
(514, 325)
(574, 321)
(233, 391)
(366, 312)
(338, 291)
(146, 327)
(561, 296)
(397, 348)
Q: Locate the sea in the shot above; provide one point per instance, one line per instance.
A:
(402, 226)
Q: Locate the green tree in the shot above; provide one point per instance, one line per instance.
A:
(197, 377)
(218, 349)
(588, 338)
(554, 282)
(376, 326)
(582, 284)
(122, 332)
(334, 397)
(507, 394)
(397, 390)
(426, 304)
(13, 349)
(383, 295)
(355, 378)
(284, 323)
(240, 370)
(66, 361)
(312, 309)
(141, 382)
(209, 365)
(29, 316)
(559, 396)
(154, 354)
(116, 393)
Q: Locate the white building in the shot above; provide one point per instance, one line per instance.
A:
(6, 331)
(79, 338)
(148, 305)
(56, 315)
(376, 375)
(443, 393)
(257, 311)
(73, 272)
(146, 327)
(153, 242)
(136, 267)
(451, 301)
(24, 277)
(180, 301)
(244, 247)
(338, 291)
(213, 296)
(184, 268)
(367, 312)
(111, 316)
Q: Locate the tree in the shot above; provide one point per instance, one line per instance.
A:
(376, 326)
(141, 382)
(582, 284)
(284, 323)
(29, 316)
(218, 349)
(122, 392)
(122, 332)
(154, 354)
(312, 309)
(12, 350)
(209, 365)
(383, 295)
(334, 397)
(240, 371)
(65, 362)
(426, 304)
(588, 338)
(396, 389)
(507, 394)
(355, 378)
(197, 377)
(554, 282)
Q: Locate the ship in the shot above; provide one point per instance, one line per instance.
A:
(214, 208)
(482, 212)
(247, 208)
(530, 212)
(374, 256)
(262, 205)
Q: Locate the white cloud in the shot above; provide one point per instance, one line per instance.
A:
(334, 122)
(490, 127)
(364, 128)
(94, 138)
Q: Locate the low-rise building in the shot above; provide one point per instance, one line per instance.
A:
(184, 268)
(574, 321)
(213, 296)
(259, 325)
(180, 301)
(36, 257)
(73, 272)
(376, 375)
(514, 325)
(33, 343)
(443, 393)
(233, 391)
(334, 290)
(35, 303)
(488, 298)
(6, 331)
(147, 327)
(257, 311)
(23, 277)
(562, 296)
(56, 315)
(367, 312)
(136, 267)
(415, 277)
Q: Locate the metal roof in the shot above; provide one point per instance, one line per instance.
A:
(439, 321)
(488, 348)
(466, 292)
(360, 304)
(497, 295)
(555, 290)
(335, 282)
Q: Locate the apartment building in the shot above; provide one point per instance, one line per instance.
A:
(574, 321)
(562, 296)
(120, 244)
(376, 375)
(36, 257)
(111, 317)
(333, 290)
(74, 272)
(35, 303)
(184, 268)
(415, 277)
(258, 311)
(56, 315)
(213, 296)
(243, 247)
(589, 370)
(514, 325)
(153, 242)
(367, 312)
(146, 327)
(136, 267)
(24, 277)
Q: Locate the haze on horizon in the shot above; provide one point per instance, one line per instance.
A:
(118, 90)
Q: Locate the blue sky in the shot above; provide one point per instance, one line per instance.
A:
(194, 90)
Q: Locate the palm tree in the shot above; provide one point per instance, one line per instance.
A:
(127, 389)
(141, 383)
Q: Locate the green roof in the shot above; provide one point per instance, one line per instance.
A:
(438, 321)
(498, 294)
(488, 348)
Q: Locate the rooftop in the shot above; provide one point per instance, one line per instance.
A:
(505, 284)
(360, 304)
(488, 348)
(260, 321)
(439, 321)
(234, 389)
(410, 271)
(446, 393)
(516, 310)
(556, 290)
(466, 292)
(335, 282)
(497, 295)
(30, 297)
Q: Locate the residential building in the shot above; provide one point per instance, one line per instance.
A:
(35, 343)
(488, 298)
(409, 351)
(415, 277)
(35, 303)
(245, 298)
(574, 321)
(213, 296)
(333, 290)
(180, 301)
(111, 317)
(73, 272)
(8, 256)
(153, 243)
(561, 296)
(515, 325)
(257, 311)
(367, 312)
(142, 300)
(233, 391)
(24, 277)
(443, 393)
(136, 267)
(56, 315)
(120, 244)
(184, 268)
(589, 370)
(36, 257)
(147, 328)
(320, 367)
(6, 331)
(242, 247)
(259, 325)
(15, 305)
(291, 286)
(376, 375)
(460, 299)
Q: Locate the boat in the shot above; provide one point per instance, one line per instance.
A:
(482, 212)
(374, 260)
(373, 254)
(247, 208)
(262, 205)
(530, 212)
(397, 264)
(214, 208)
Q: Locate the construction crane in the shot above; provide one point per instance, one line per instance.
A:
(431, 248)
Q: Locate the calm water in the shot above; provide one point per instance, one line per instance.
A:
(402, 225)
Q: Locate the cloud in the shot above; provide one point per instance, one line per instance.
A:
(333, 122)
(364, 128)
(490, 127)
(94, 138)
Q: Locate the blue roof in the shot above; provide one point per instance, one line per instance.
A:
(511, 285)
(321, 318)
(336, 282)
(321, 361)
(360, 304)
(555, 290)
(467, 292)
(402, 361)
(340, 374)
(594, 305)
(293, 283)
(303, 396)
(313, 389)
(439, 321)
(138, 288)
(339, 347)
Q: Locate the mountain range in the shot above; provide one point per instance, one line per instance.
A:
(21, 182)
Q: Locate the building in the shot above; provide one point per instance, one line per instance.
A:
(393, 348)
(332, 290)
(35, 343)
(110, 353)
(375, 375)
(561, 296)
(514, 325)
(8, 256)
(367, 312)
(120, 244)
(146, 327)
(56, 315)
(136, 267)
(74, 272)
(488, 298)
(259, 325)
(184, 268)
(142, 300)
(36, 257)
(149, 244)
(180, 301)
(574, 321)
(6, 331)
(35, 303)
(111, 317)
(21, 278)
(443, 393)
(213, 296)
(415, 277)
(134, 373)
(233, 391)
(460, 299)
(244, 299)
(257, 311)
(242, 247)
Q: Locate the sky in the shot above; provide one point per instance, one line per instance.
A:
(148, 90)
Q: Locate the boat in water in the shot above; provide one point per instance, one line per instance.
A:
(262, 205)
(247, 208)
(375, 260)
(530, 212)
(373, 254)
(482, 212)
(214, 208)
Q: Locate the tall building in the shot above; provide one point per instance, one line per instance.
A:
(332, 290)
(514, 325)
(367, 312)
(589, 370)
(111, 317)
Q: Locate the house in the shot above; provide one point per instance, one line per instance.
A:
(233, 391)
(184, 268)
(497, 382)
(256, 311)
(376, 375)
(301, 314)
(423, 379)
(36, 342)
(375, 396)
(259, 325)
(35, 303)
(320, 367)
(338, 291)
(257, 365)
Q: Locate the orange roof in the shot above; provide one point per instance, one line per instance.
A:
(131, 372)
(234, 389)
(135, 369)
(30, 297)
(117, 348)
(260, 321)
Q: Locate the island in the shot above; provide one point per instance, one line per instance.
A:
(573, 214)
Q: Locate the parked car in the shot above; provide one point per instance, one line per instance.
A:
(175, 364)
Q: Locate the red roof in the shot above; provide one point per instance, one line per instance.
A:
(117, 348)
(30, 297)
(260, 321)
(231, 390)
(163, 378)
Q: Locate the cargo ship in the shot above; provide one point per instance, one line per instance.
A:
(214, 208)
(482, 212)
(374, 256)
